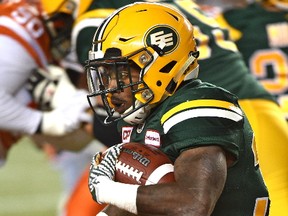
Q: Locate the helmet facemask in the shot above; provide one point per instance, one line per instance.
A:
(58, 17)
(101, 72)
(59, 28)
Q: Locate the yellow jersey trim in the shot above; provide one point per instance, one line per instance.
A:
(199, 103)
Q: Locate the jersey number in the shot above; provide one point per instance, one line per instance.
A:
(203, 40)
(277, 60)
(24, 17)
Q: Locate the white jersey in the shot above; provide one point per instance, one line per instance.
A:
(16, 66)
(24, 46)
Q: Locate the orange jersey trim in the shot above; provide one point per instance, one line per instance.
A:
(32, 52)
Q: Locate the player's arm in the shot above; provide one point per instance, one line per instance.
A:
(200, 175)
(14, 114)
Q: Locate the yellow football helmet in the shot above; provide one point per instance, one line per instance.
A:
(281, 4)
(155, 37)
(58, 16)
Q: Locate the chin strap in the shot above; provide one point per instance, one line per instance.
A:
(139, 115)
(193, 74)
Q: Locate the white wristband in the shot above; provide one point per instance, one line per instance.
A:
(119, 194)
(101, 214)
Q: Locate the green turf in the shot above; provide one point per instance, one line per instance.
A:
(28, 184)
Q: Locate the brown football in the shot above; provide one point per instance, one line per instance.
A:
(144, 165)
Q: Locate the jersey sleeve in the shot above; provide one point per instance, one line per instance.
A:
(14, 113)
(202, 121)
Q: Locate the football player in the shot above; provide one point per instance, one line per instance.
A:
(259, 31)
(219, 54)
(143, 64)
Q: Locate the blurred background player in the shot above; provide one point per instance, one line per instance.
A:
(263, 43)
(37, 97)
(23, 31)
(259, 31)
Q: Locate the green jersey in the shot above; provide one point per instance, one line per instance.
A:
(262, 38)
(200, 114)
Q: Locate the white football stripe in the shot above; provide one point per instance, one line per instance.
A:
(158, 173)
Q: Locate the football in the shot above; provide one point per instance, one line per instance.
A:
(143, 165)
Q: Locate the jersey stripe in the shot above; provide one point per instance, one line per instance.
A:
(11, 34)
(200, 103)
(200, 112)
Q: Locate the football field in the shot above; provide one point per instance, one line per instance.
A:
(29, 186)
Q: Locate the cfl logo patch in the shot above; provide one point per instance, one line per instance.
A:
(126, 134)
(162, 33)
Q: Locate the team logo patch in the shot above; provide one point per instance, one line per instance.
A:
(152, 137)
(162, 33)
(126, 134)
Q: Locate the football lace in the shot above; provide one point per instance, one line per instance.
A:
(128, 170)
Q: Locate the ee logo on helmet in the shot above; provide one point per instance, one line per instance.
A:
(162, 33)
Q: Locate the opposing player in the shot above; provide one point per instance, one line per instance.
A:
(148, 74)
(33, 35)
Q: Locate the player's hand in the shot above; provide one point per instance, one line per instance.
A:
(67, 117)
(50, 88)
(103, 171)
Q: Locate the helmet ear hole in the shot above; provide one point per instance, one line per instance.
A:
(171, 87)
(168, 67)
(112, 52)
